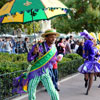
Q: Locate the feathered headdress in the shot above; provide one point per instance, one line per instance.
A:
(86, 35)
(93, 35)
(99, 36)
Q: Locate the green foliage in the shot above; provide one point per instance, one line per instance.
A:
(12, 65)
(73, 56)
(69, 64)
(33, 27)
(2, 2)
(64, 59)
(12, 62)
(85, 15)
(68, 67)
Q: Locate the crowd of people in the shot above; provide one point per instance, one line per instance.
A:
(64, 45)
(11, 45)
(69, 45)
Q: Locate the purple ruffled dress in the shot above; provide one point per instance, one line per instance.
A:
(91, 64)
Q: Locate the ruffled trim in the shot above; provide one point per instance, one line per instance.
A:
(89, 67)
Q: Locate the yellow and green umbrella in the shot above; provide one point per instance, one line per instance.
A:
(26, 5)
(31, 10)
(37, 16)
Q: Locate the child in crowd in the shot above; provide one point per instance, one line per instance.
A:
(55, 67)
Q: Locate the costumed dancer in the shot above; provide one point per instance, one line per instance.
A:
(98, 47)
(90, 65)
(42, 57)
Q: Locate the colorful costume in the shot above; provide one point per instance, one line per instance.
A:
(39, 71)
(91, 64)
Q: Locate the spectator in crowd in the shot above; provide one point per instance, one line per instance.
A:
(25, 45)
(61, 46)
(80, 49)
(1, 44)
(67, 48)
(72, 43)
(13, 42)
(76, 46)
(8, 46)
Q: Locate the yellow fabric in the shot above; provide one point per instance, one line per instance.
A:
(25, 88)
(99, 36)
(98, 47)
(6, 8)
(15, 18)
(99, 61)
(53, 3)
(53, 13)
(93, 35)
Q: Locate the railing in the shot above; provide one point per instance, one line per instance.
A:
(6, 85)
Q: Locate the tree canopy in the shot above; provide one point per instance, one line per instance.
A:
(85, 15)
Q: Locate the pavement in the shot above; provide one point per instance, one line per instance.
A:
(71, 88)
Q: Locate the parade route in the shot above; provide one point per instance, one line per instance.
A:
(71, 88)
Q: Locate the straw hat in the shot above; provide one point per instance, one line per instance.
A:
(49, 32)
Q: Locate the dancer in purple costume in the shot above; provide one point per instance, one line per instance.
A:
(91, 64)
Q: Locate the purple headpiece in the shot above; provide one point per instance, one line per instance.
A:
(86, 35)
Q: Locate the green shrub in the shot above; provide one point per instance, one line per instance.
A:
(64, 59)
(10, 63)
(73, 56)
(68, 67)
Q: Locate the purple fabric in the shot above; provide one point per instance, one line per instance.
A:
(90, 65)
(19, 82)
(40, 71)
(85, 35)
(89, 50)
(1, 18)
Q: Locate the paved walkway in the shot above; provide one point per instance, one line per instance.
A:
(71, 88)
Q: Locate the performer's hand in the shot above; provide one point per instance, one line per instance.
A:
(36, 50)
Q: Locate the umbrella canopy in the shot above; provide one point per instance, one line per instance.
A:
(26, 5)
(22, 11)
(37, 16)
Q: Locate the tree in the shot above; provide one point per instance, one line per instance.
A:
(2, 2)
(86, 15)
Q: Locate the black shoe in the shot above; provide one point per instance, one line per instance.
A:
(45, 90)
(99, 86)
(58, 89)
(86, 84)
(86, 93)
